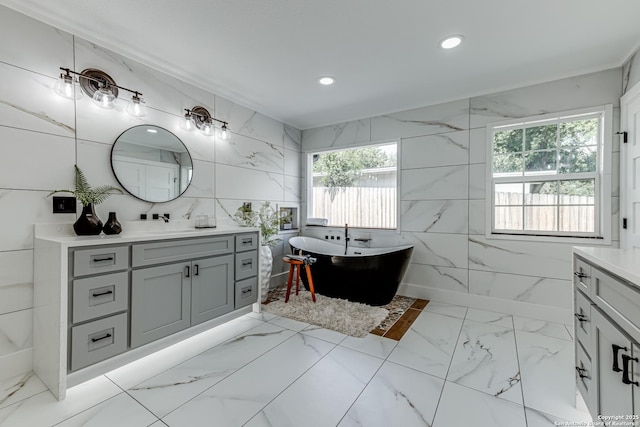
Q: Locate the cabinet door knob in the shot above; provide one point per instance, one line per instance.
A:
(626, 361)
(579, 274)
(615, 349)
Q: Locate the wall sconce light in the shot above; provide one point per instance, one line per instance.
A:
(100, 87)
(66, 86)
(200, 118)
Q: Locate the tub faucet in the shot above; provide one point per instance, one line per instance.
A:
(165, 218)
(346, 238)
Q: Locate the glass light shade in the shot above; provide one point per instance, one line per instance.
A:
(187, 122)
(207, 128)
(224, 132)
(65, 87)
(136, 108)
(104, 98)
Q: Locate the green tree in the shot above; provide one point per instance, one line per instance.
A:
(566, 147)
(343, 168)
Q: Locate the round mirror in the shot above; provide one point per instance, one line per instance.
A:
(151, 163)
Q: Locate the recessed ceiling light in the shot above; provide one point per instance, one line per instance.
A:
(451, 42)
(326, 81)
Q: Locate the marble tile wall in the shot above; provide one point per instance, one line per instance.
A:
(442, 202)
(43, 135)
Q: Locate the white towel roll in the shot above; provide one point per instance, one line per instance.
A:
(322, 222)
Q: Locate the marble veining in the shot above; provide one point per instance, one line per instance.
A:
(429, 344)
(339, 135)
(519, 257)
(437, 216)
(396, 396)
(447, 250)
(39, 115)
(305, 380)
(485, 360)
(452, 149)
(243, 151)
(447, 278)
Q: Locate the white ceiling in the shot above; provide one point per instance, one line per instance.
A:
(268, 54)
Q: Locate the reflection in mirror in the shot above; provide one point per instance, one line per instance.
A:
(151, 163)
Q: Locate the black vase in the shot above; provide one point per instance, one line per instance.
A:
(112, 226)
(88, 224)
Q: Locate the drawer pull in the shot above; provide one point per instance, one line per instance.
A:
(581, 373)
(102, 259)
(187, 271)
(196, 270)
(616, 349)
(579, 274)
(246, 291)
(101, 338)
(99, 294)
(581, 317)
(625, 372)
(247, 241)
(247, 263)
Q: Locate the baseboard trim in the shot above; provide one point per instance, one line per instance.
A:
(522, 309)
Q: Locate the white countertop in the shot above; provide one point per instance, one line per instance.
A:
(621, 262)
(63, 234)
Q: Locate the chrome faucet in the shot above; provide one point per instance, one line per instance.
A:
(346, 238)
(165, 218)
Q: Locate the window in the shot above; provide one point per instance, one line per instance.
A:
(547, 175)
(355, 186)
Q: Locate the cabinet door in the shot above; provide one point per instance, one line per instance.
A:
(212, 291)
(160, 302)
(613, 396)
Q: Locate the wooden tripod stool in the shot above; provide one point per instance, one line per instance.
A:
(296, 264)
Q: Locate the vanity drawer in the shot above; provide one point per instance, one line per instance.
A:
(618, 299)
(582, 319)
(100, 260)
(246, 265)
(584, 376)
(98, 340)
(179, 250)
(246, 242)
(246, 292)
(100, 296)
(582, 275)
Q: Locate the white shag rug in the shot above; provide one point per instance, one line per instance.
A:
(350, 318)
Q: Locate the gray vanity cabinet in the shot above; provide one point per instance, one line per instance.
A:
(211, 288)
(160, 302)
(607, 330)
(611, 348)
(171, 297)
(102, 299)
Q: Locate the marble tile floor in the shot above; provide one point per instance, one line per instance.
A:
(455, 366)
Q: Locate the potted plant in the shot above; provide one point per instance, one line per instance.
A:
(88, 223)
(268, 221)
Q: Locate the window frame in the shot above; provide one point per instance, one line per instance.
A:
(309, 178)
(603, 181)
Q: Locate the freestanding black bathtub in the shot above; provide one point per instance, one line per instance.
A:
(367, 275)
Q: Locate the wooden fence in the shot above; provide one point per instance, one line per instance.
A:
(374, 207)
(577, 213)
